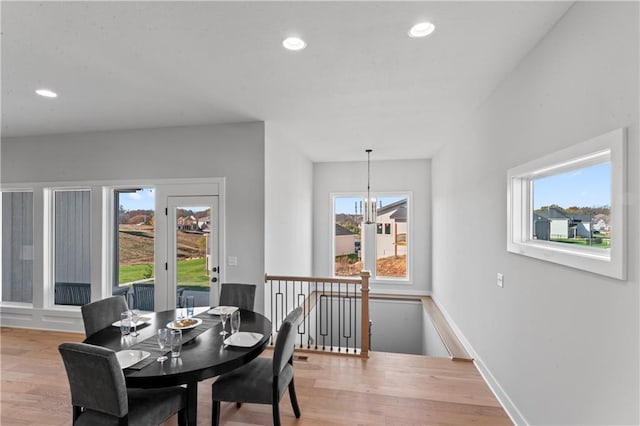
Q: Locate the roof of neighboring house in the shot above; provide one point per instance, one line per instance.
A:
(393, 206)
(341, 230)
(400, 215)
(552, 213)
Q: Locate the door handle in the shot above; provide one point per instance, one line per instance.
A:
(214, 269)
(214, 280)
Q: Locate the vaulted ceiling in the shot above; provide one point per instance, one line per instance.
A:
(360, 83)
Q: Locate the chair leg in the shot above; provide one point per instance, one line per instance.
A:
(182, 417)
(238, 404)
(215, 413)
(76, 412)
(294, 400)
(276, 411)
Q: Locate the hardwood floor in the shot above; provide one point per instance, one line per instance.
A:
(386, 389)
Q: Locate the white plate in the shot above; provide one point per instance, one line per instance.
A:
(174, 326)
(141, 320)
(222, 310)
(243, 338)
(129, 357)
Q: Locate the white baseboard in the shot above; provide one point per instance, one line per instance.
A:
(500, 394)
(54, 319)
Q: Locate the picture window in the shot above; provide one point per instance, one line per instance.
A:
(567, 207)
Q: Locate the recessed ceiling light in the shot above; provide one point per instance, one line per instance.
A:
(46, 93)
(294, 43)
(422, 29)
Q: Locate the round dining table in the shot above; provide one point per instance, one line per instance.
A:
(202, 357)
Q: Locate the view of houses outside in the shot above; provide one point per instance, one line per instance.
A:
(574, 207)
(391, 236)
(136, 227)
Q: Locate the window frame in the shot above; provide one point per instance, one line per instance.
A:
(610, 146)
(371, 264)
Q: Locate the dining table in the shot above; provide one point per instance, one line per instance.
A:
(204, 353)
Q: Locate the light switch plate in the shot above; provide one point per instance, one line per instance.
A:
(232, 261)
(500, 280)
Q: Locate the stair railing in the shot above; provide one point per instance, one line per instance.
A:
(336, 312)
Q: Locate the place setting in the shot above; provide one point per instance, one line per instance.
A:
(130, 322)
(236, 337)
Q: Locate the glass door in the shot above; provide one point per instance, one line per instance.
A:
(193, 238)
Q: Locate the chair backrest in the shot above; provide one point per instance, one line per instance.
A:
(77, 294)
(285, 342)
(102, 313)
(95, 378)
(240, 295)
(143, 295)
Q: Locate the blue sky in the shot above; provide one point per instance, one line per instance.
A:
(141, 200)
(586, 187)
(347, 204)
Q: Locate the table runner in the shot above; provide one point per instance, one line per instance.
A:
(151, 344)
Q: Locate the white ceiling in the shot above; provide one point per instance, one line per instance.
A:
(360, 83)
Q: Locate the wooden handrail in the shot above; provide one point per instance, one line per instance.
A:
(354, 281)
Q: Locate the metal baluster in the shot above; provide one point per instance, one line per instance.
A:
(308, 313)
(331, 317)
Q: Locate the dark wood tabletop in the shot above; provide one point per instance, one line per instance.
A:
(201, 358)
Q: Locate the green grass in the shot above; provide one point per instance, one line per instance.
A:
(191, 272)
(133, 273)
(603, 244)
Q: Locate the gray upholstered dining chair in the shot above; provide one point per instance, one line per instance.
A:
(143, 296)
(263, 380)
(99, 395)
(240, 295)
(102, 313)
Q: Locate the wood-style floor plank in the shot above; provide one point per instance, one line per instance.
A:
(386, 389)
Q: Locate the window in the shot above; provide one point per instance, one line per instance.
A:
(567, 207)
(134, 253)
(17, 247)
(390, 236)
(72, 247)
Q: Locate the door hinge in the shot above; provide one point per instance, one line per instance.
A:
(166, 266)
(166, 211)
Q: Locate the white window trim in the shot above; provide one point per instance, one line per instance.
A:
(612, 262)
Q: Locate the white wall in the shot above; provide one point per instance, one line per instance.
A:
(386, 176)
(396, 326)
(560, 346)
(288, 211)
(233, 151)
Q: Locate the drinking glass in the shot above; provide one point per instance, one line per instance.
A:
(135, 317)
(223, 318)
(182, 304)
(125, 323)
(235, 321)
(162, 342)
(176, 343)
(190, 304)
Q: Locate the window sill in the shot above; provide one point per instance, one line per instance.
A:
(586, 259)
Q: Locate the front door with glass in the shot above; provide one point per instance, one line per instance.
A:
(193, 268)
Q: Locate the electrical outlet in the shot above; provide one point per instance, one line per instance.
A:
(500, 280)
